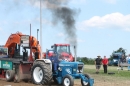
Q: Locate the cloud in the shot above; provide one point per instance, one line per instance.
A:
(0, 28)
(44, 21)
(51, 4)
(60, 34)
(3, 22)
(80, 40)
(110, 1)
(73, 40)
(113, 20)
(78, 1)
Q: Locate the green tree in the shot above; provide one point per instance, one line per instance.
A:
(86, 60)
(118, 50)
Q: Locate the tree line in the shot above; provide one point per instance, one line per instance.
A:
(86, 60)
(90, 61)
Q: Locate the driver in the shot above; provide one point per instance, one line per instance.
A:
(54, 61)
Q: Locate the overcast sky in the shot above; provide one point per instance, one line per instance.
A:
(100, 26)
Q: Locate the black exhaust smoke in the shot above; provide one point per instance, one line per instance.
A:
(65, 15)
(62, 14)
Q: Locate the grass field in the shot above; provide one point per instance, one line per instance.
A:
(121, 78)
(118, 79)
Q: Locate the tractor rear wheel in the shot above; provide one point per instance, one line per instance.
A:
(41, 73)
(68, 80)
(17, 74)
(9, 75)
(85, 83)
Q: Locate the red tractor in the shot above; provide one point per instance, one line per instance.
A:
(63, 51)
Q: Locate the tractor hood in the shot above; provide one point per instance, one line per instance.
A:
(72, 64)
(77, 67)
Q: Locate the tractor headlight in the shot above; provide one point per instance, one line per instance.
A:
(77, 71)
(114, 60)
(80, 68)
(60, 69)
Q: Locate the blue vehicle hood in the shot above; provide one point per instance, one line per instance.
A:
(65, 63)
(115, 59)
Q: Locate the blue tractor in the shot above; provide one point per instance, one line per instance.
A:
(64, 72)
(116, 57)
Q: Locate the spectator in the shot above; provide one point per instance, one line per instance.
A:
(128, 61)
(122, 60)
(105, 63)
(98, 62)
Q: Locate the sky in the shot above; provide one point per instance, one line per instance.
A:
(99, 26)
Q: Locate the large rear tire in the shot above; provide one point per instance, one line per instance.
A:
(9, 75)
(41, 73)
(68, 81)
(85, 83)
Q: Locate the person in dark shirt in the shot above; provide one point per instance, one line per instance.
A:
(98, 62)
(122, 60)
(54, 58)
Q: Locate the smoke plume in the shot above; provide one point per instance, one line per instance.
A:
(65, 15)
(62, 13)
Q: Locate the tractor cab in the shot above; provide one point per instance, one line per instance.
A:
(116, 57)
(3, 52)
(63, 51)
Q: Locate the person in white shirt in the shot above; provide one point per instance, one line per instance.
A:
(128, 61)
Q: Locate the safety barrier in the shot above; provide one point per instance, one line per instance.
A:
(122, 65)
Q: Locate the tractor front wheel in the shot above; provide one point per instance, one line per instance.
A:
(41, 73)
(68, 80)
(85, 83)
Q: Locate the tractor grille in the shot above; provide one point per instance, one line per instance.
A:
(80, 68)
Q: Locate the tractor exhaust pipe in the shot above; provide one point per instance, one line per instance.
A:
(75, 54)
(30, 59)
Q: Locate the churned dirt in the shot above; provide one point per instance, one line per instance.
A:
(102, 81)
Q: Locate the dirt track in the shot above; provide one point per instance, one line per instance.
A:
(98, 81)
(22, 83)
